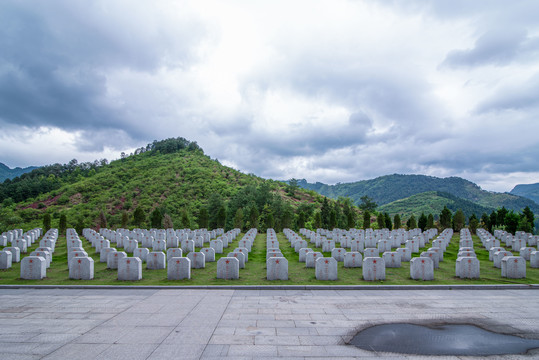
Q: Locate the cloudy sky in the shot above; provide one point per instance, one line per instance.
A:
(330, 91)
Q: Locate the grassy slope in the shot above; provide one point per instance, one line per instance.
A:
(255, 271)
(183, 180)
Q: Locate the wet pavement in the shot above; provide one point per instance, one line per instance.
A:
(154, 323)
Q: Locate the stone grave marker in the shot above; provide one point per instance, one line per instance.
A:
(174, 252)
(114, 258)
(156, 260)
(188, 246)
(534, 259)
(422, 268)
(33, 268)
(326, 268)
(498, 256)
(338, 254)
(209, 254)
(178, 268)
(129, 268)
(159, 245)
(5, 259)
(141, 253)
(467, 268)
(277, 268)
(374, 268)
(371, 252)
(81, 268)
(513, 267)
(392, 259)
(310, 258)
(217, 245)
(353, 259)
(228, 268)
(244, 251)
(433, 256)
(327, 245)
(526, 252)
(198, 260)
(240, 256)
(303, 254)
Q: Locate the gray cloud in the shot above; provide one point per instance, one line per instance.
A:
(496, 47)
(519, 98)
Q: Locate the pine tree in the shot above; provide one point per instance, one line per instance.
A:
(422, 222)
(317, 221)
(430, 221)
(102, 220)
(62, 226)
(387, 219)
(46, 222)
(125, 220)
(238, 219)
(381, 221)
(397, 221)
(366, 219)
(156, 218)
(459, 220)
(411, 223)
(445, 218)
(203, 219)
(138, 217)
(473, 224)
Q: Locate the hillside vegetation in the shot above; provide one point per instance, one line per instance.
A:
(530, 191)
(433, 202)
(390, 188)
(170, 178)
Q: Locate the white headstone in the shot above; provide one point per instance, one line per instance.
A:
(198, 260)
(156, 260)
(513, 267)
(228, 268)
(374, 268)
(310, 258)
(353, 259)
(277, 268)
(174, 252)
(141, 253)
(129, 268)
(5, 259)
(33, 268)
(326, 268)
(179, 268)
(338, 254)
(209, 254)
(422, 268)
(392, 259)
(240, 256)
(467, 268)
(15, 253)
(371, 252)
(81, 268)
(217, 245)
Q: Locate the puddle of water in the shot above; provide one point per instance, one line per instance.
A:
(440, 340)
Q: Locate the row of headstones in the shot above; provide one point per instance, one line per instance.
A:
(356, 242)
(35, 265)
(520, 240)
(162, 234)
(511, 266)
(130, 268)
(276, 263)
(372, 265)
(377, 234)
(130, 245)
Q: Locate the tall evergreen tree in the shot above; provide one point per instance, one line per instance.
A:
(473, 224)
(430, 221)
(530, 217)
(366, 219)
(493, 220)
(422, 222)
(381, 220)
(253, 217)
(301, 219)
(238, 219)
(388, 223)
(511, 221)
(138, 217)
(62, 226)
(317, 221)
(411, 223)
(397, 221)
(332, 219)
(125, 219)
(445, 218)
(500, 216)
(46, 222)
(80, 226)
(325, 212)
(203, 220)
(156, 219)
(221, 217)
(215, 204)
(459, 220)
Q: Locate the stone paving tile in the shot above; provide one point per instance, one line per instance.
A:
(77, 351)
(193, 351)
(127, 352)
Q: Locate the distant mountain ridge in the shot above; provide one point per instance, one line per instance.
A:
(389, 188)
(530, 191)
(7, 173)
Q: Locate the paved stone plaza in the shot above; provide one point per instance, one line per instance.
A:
(124, 323)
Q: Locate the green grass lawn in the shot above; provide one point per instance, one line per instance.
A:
(255, 270)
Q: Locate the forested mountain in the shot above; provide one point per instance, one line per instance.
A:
(7, 173)
(171, 178)
(433, 202)
(389, 188)
(530, 191)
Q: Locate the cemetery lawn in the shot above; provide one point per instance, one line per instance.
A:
(255, 270)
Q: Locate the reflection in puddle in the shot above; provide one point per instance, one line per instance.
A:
(440, 340)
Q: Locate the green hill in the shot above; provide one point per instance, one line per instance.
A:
(390, 188)
(173, 176)
(7, 173)
(530, 191)
(432, 202)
